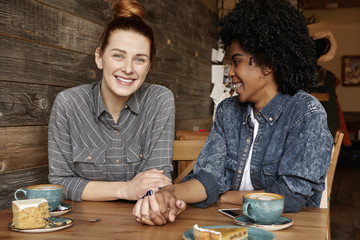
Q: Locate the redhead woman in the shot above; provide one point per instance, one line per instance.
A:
(113, 139)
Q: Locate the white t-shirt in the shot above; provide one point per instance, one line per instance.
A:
(246, 184)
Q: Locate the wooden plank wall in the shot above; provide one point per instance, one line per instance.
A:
(48, 45)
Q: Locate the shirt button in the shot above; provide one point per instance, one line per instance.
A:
(89, 157)
(141, 155)
(248, 140)
(270, 118)
(118, 134)
(239, 171)
(117, 160)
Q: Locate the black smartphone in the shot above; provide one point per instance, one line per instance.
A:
(232, 213)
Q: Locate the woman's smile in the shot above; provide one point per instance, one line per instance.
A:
(236, 86)
(124, 81)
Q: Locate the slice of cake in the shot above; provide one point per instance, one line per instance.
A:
(227, 233)
(30, 213)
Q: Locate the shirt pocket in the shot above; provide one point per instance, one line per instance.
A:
(135, 160)
(89, 162)
(270, 170)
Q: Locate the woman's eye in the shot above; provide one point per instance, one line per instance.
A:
(236, 62)
(140, 60)
(120, 56)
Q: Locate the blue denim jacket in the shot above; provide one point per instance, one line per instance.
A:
(291, 153)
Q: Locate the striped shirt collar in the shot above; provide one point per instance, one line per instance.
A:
(99, 106)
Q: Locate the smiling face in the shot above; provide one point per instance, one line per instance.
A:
(125, 63)
(252, 83)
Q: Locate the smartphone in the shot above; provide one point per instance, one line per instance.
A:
(232, 213)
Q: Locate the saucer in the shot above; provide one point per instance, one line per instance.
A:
(55, 224)
(61, 210)
(282, 223)
(253, 233)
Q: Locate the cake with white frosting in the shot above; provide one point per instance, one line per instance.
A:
(226, 233)
(30, 213)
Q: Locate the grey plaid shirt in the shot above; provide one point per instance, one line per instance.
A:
(84, 142)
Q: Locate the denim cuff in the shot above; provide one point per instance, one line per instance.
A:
(211, 187)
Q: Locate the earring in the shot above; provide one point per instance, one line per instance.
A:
(250, 60)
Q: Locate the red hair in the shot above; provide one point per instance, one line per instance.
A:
(128, 15)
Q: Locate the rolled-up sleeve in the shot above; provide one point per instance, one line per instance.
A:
(210, 185)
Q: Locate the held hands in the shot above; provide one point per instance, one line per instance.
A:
(142, 182)
(159, 208)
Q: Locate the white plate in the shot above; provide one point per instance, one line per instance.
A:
(282, 223)
(56, 224)
(61, 210)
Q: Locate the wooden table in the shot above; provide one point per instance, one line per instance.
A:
(118, 223)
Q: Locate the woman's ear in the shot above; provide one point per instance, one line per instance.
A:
(98, 58)
(266, 70)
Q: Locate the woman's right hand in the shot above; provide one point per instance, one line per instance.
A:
(159, 208)
(149, 180)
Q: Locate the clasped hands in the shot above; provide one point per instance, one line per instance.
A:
(158, 208)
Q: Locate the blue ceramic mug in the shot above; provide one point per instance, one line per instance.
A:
(263, 208)
(53, 193)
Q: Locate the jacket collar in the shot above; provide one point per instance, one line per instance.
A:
(271, 112)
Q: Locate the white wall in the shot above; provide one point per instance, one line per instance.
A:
(345, 27)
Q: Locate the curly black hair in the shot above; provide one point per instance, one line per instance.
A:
(276, 34)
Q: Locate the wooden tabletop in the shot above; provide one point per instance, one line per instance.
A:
(118, 223)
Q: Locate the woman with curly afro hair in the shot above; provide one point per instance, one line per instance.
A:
(271, 137)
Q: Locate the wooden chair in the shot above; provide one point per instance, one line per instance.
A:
(190, 135)
(186, 153)
(325, 200)
(322, 97)
(187, 148)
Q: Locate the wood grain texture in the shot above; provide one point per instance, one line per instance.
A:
(94, 11)
(118, 223)
(191, 97)
(191, 28)
(11, 181)
(29, 62)
(188, 110)
(181, 65)
(182, 87)
(23, 147)
(26, 104)
(34, 21)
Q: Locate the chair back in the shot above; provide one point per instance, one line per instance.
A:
(187, 148)
(339, 136)
(191, 135)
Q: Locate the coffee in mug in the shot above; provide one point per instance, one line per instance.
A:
(263, 208)
(53, 193)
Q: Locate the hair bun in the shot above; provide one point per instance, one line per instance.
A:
(127, 9)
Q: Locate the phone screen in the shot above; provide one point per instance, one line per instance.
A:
(232, 213)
